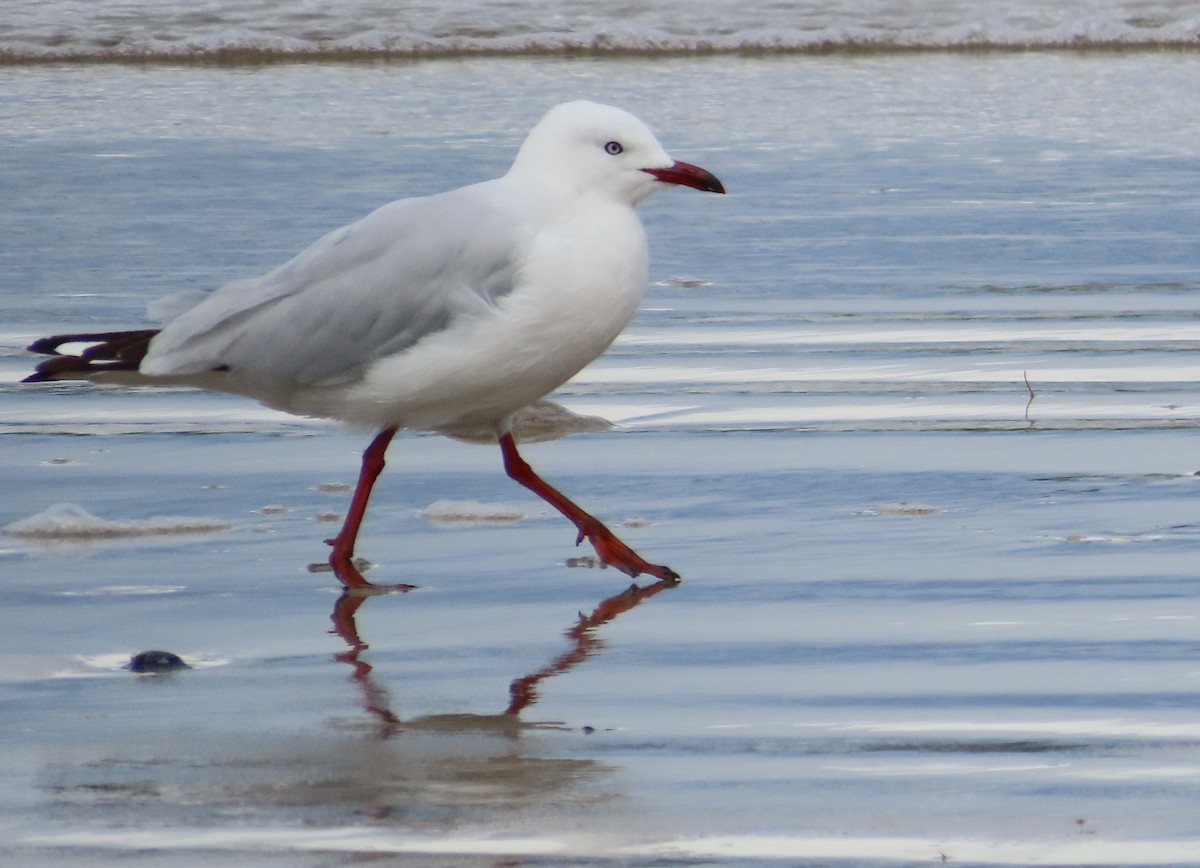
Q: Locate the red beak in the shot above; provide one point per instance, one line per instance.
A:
(688, 175)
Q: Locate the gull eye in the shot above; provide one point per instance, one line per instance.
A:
(614, 148)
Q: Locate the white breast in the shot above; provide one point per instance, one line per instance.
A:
(581, 283)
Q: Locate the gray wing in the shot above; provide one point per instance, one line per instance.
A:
(363, 292)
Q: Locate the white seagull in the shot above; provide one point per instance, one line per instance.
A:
(441, 313)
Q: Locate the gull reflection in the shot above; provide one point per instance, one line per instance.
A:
(523, 691)
(449, 772)
(375, 696)
(585, 643)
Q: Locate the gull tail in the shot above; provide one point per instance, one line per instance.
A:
(107, 351)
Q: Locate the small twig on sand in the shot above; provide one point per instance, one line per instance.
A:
(1032, 395)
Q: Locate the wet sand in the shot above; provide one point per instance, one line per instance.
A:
(876, 653)
(928, 612)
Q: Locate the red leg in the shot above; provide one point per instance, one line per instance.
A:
(342, 556)
(610, 549)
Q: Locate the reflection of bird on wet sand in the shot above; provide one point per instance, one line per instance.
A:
(441, 764)
(430, 775)
(522, 691)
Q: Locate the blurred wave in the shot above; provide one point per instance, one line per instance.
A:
(251, 32)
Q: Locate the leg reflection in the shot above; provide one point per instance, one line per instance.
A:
(522, 692)
(375, 696)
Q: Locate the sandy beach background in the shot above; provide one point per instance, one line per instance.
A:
(911, 410)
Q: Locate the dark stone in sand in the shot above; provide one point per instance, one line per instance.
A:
(156, 661)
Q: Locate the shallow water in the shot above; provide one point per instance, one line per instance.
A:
(910, 409)
(253, 31)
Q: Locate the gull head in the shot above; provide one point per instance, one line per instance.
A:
(600, 150)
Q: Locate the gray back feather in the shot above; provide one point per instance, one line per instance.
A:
(360, 293)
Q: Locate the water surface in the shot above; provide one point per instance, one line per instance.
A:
(910, 409)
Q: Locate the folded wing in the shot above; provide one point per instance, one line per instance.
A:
(369, 290)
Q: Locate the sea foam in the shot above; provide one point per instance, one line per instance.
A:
(257, 32)
(68, 522)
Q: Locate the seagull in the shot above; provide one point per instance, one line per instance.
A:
(442, 313)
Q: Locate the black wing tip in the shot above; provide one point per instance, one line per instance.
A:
(57, 368)
(106, 342)
(46, 346)
(111, 351)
